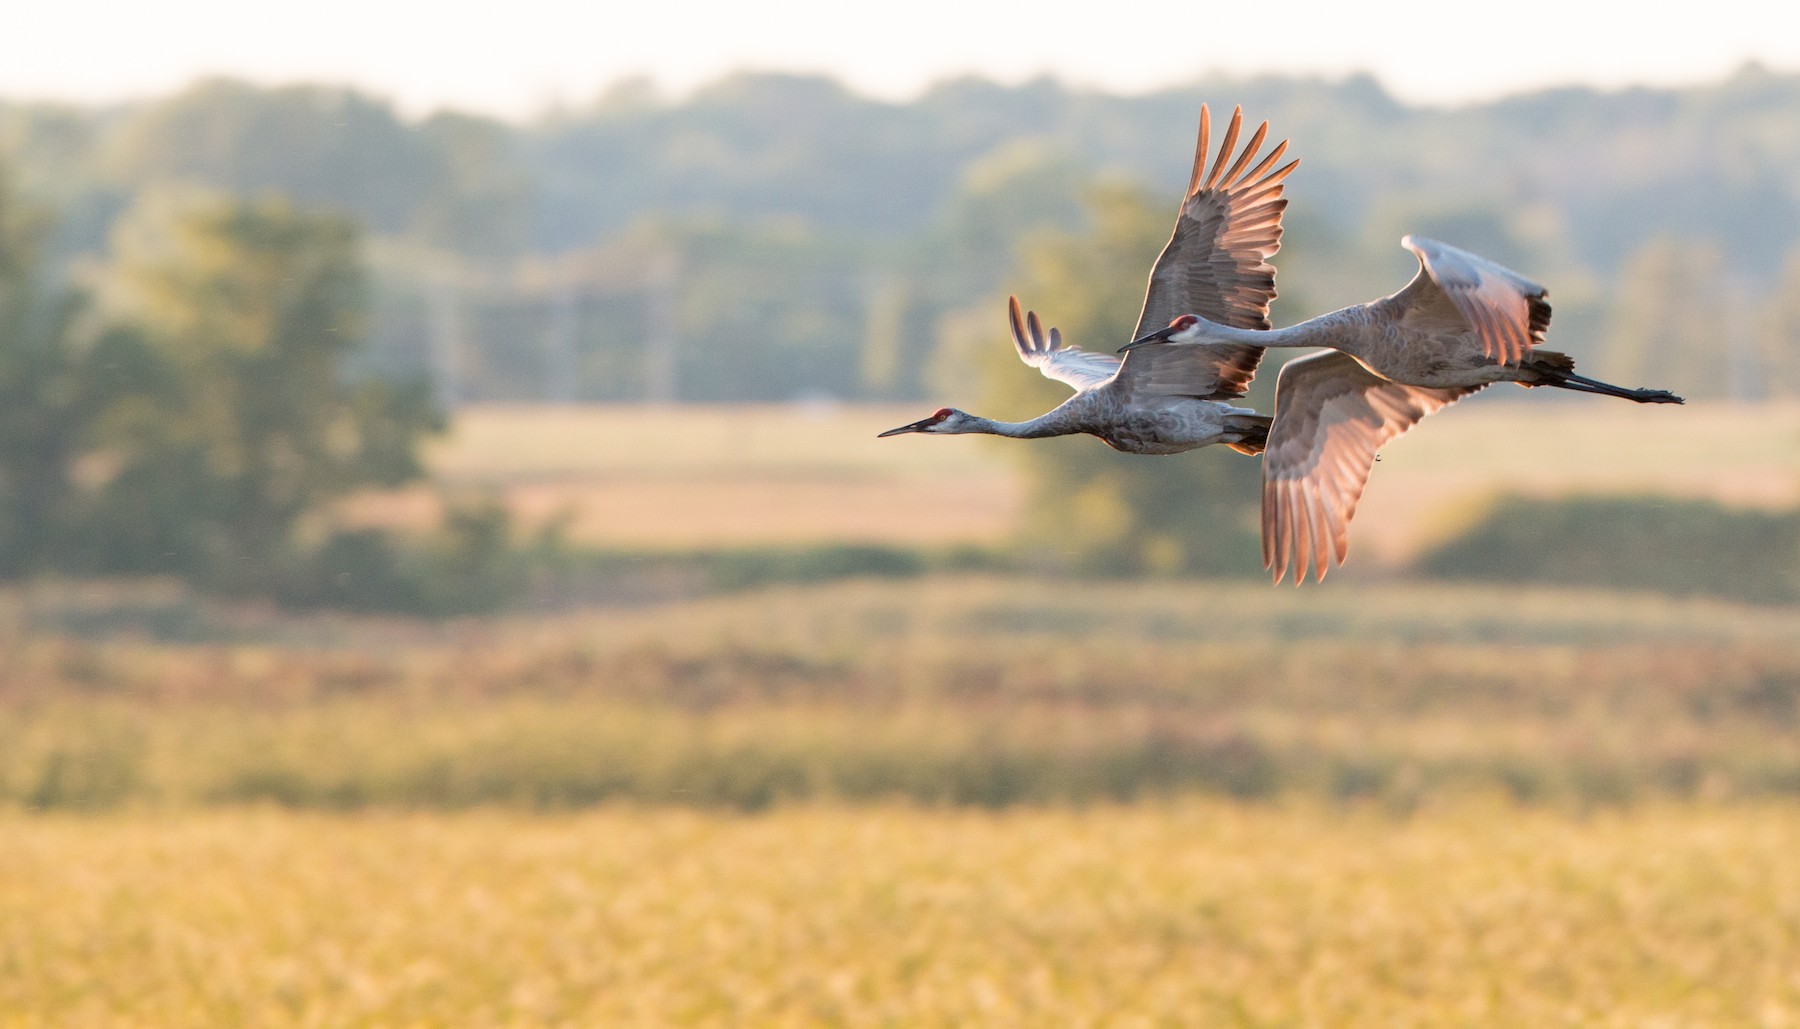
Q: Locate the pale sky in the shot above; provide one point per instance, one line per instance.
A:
(516, 57)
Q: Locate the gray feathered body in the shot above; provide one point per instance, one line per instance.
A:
(1412, 347)
(1159, 425)
(1462, 323)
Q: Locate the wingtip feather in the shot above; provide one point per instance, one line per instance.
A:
(1226, 146)
(1244, 155)
(1200, 150)
(1018, 326)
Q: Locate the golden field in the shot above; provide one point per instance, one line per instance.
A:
(951, 801)
(661, 478)
(1181, 914)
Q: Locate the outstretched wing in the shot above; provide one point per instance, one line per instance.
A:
(1507, 311)
(1205, 372)
(1331, 416)
(1216, 264)
(1072, 366)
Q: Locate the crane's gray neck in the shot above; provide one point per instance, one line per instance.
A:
(1050, 423)
(1301, 335)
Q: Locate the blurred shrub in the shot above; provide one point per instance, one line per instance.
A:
(745, 568)
(361, 570)
(565, 572)
(1679, 547)
(470, 565)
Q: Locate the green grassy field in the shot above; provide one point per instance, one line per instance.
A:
(720, 476)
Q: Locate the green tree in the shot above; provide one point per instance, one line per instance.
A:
(250, 310)
(1093, 508)
(58, 375)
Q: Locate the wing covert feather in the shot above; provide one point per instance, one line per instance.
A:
(1508, 312)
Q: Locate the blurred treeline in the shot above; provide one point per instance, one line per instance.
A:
(224, 310)
(777, 236)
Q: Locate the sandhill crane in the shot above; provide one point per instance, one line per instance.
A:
(1463, 323)
(1168, 400)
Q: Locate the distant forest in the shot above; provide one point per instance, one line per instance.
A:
(777, 237)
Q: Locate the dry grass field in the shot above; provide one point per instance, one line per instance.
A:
(672, 478)
(685, 477)
(1180, 914)
(960, 690)
(951, 801)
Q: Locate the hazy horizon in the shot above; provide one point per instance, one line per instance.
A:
(544, 54)
(674, 96)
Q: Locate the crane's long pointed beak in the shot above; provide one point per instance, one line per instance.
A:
(1160, 335)
(918, 426)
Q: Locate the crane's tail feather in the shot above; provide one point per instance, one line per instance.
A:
(1253, 430)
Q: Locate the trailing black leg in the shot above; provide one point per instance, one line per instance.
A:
(1583, 384)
